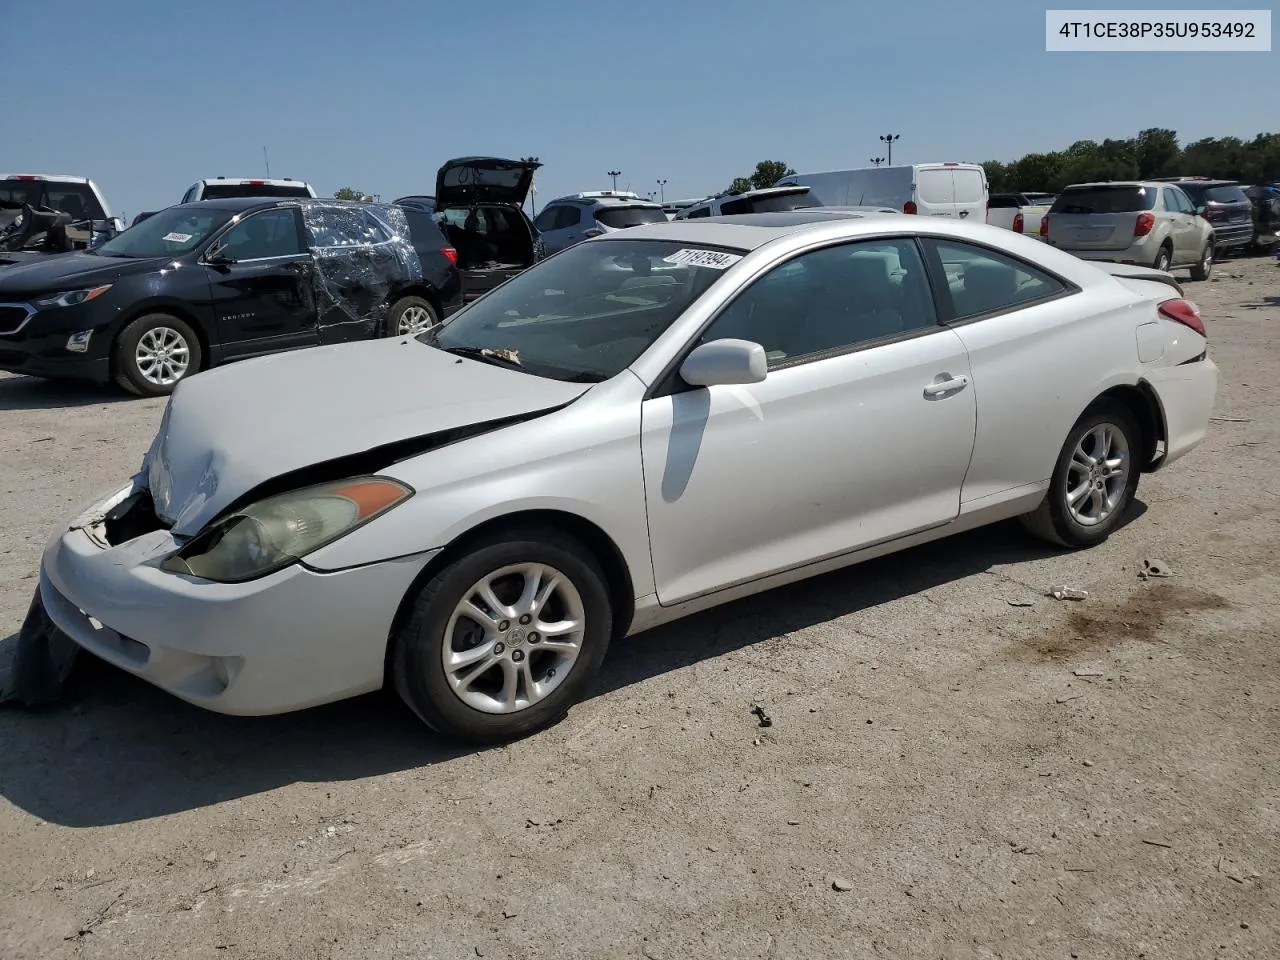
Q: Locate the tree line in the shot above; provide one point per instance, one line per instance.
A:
(1152, 153)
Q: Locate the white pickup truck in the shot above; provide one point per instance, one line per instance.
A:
(1019, 212)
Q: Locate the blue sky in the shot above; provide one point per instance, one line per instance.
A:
(146, 97)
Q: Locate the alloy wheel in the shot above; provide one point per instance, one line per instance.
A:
(513, 638)
(414, 320)
(162, 356)
(1097, 475)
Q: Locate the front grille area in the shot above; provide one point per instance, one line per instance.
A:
(12, 316)
(131, 518)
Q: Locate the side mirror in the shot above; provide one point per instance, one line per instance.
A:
(1200, 210)
(725, 363)
(217, 258)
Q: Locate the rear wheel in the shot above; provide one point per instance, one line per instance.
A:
(410, 316)
(502, 641)
(1164, 259)
(153, 353)
(1202, 269)
(1094, 479)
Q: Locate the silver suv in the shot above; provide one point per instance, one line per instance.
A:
(569, 220)
(1140, 222)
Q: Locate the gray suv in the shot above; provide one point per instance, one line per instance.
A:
(1140, 222)
(569, 220)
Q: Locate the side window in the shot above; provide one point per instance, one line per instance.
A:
(1185, 203)
(982, 281)
(189, 195)
(831, 300)
(272, 233)
(546, 220)
(569, 216)
(700, 212)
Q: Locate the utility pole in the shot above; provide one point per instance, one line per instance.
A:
(889, 138)
(614, 175)
(876, 161)
(266, 162)
(662, 191)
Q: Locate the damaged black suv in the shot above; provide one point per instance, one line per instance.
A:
(204, 283)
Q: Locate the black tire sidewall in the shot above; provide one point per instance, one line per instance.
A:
(1199, 272)
(400, 306)
(417, 658)
(1073, 533)
(1167, 254)
(124, 359)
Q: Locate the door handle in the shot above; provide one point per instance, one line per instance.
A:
(945, 384)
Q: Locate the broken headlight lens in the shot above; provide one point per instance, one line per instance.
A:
(274, 532)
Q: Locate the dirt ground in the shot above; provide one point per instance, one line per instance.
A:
(981, 779)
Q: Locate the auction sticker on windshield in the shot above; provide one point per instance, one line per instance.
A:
(704, 258)
(176, 237)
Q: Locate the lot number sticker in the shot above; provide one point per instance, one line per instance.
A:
(176, 237)
(704, 258)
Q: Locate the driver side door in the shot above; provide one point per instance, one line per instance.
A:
(261, 294)
(860, 433)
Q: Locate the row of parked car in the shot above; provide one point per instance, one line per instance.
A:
(245, 267)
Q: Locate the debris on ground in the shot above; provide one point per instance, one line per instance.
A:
(765, 719)
(1063, 592)
(1154, 568)
(841, 884)
(1020, 603)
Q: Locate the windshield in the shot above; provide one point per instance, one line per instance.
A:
(1120, 199)
(618, 217)
(168, 233)
(586, 314)
(222, 191)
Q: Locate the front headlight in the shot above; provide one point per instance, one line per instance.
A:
(72, 297)
(277, 531)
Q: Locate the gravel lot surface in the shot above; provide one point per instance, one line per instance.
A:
(948, 773)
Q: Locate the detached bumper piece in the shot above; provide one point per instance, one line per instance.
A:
(42, 663)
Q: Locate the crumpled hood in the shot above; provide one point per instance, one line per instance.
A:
(233, 428)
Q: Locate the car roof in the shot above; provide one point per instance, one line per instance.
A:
(276, 182)
(1118, 183)
(241, 204)
(45, 177)
(746, 231)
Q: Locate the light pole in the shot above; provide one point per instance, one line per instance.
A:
(614, 175)
(876, 161)
(889, 138)
(662, 191)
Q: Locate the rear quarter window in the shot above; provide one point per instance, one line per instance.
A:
(1105, 200)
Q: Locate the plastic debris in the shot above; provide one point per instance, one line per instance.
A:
(42, 662)
(1063, 592)
(765, 719)
(1154, 568)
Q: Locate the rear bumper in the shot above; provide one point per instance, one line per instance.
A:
(1186, 393)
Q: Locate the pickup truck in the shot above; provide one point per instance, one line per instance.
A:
(1019, 212)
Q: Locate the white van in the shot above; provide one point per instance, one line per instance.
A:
(929, 189)
(220, 188)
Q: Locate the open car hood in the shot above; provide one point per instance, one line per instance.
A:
(469, 180)
(357, 407)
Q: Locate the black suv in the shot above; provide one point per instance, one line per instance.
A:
(203, 283)
(1225, 205)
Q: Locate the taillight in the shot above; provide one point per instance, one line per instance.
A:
(256, 183)
(450, 254)
(909, 207)
(1017, 223)
(1185, 313)
(1044, 225)
(1144, 224)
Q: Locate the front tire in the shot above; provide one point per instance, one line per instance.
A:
(410, 316)
(1094, 480)
(1202, 269)
(153, 353)
(506, 638)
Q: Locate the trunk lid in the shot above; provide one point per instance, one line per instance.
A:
(469, 180)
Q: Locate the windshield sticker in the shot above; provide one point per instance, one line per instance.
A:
(176, 237)
(704, 258)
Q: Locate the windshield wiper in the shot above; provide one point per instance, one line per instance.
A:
(506, 358)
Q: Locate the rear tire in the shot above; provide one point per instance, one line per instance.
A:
(1201, 270)
(153, 353)
(440, 654)
(1164, 258)
(410, 316)
(1087, 501)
